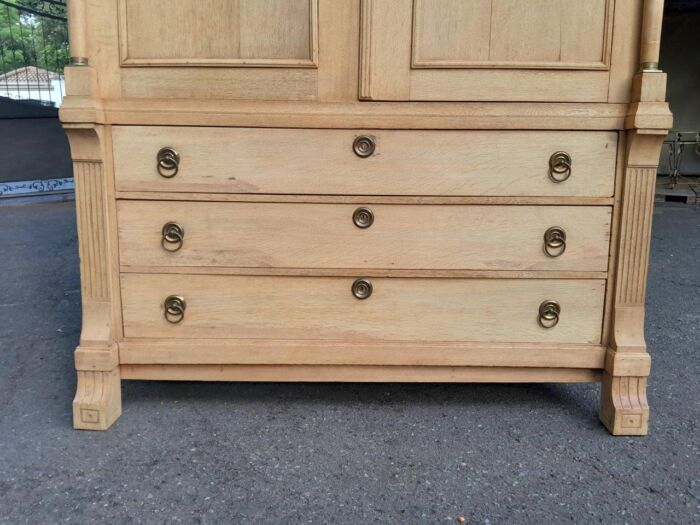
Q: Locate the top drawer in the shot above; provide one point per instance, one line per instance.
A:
(289, 161)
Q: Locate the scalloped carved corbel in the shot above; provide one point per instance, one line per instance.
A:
(624, 409)
(97, 403)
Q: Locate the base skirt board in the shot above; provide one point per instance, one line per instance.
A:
(309, 352)
(358, 374)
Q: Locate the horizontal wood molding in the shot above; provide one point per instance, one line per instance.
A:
(369, 272)
(376, 115)
(308, 352)
(358, 374)
(364, 199)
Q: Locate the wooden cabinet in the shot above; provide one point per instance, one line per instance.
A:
(497, 50)
(364, 190)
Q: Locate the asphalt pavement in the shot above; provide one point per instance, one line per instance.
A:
(335, 453)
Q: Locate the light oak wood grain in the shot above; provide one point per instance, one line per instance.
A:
(499, 33)
(97, 402)
(221, 83)
(368, 272)
(338, 65)
(451, 32)
(405, 162)
(623, 63)
(651, 33)
(401, 237)
(487, 50)
(359, 374)
(467, 101)
(377, 115)
(399, 309)
(513, 85)
(624, 409)
(364, 199)
(281, 352)
(77, 11)
(242, 32)
(208, 76)
(385, 50)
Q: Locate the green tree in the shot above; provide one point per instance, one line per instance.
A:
(28, 39)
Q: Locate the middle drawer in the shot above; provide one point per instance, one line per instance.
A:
(335, 236)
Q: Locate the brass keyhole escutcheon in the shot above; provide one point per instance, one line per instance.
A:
(549, 314)
(173, 235)
(559, 166)
(174, 308)
(363, 217)
(362, 288)
(168, 162)
(364, 146)
(554, 241)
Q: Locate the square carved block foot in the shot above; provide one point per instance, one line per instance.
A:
(98, 401)
(623, 405)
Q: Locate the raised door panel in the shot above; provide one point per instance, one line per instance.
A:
(500, 50)
(219, 33)
(500, 33)
(225, 49)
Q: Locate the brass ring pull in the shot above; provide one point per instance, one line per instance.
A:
(549, 314)
(559, 166)
(172, 237)
(168, 162)
(363, 217)
(362, 288)
(174, 309)
(364, 146)
(554, 241)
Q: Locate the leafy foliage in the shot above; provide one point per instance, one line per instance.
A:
(28, 39)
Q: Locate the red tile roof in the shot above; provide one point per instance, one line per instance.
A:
(29, 74)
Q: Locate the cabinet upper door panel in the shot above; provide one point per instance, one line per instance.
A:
(218, 32)
(225, 49)
(509, 50)
(511, 33)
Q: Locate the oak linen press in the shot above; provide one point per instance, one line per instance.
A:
(374, 190)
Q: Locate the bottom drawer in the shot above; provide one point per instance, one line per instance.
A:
(397, 309)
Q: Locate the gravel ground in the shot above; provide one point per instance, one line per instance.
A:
(335, 453)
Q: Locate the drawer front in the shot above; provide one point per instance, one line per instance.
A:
(286, 161)
(374, 236)
(397, 309)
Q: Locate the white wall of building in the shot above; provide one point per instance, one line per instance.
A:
(48, 93)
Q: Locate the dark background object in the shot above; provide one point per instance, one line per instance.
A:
(33, 145)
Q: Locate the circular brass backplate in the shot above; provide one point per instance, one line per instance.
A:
(363, 217)
(364, 146)
(362, 288)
